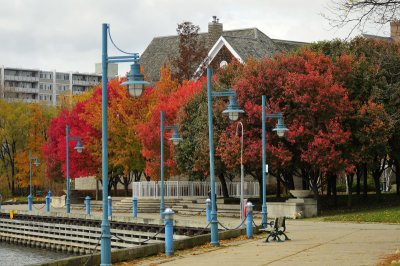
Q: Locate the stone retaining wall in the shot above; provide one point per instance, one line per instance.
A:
(144, 251)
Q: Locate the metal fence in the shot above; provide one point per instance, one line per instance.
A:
(178, 189)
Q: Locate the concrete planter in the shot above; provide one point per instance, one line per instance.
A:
(58, 202)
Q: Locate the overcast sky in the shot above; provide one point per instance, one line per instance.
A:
(66, 35)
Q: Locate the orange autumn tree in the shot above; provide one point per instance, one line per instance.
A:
(40, 117)
(125, 160)
(149, 132)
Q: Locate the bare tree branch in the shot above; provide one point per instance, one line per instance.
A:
(358, 13)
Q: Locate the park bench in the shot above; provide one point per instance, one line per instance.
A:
(278, 229)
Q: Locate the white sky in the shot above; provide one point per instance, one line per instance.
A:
(66, 35)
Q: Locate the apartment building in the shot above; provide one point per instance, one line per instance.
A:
(32, 85)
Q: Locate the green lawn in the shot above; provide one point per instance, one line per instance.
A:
(386, 215)
(24, 199)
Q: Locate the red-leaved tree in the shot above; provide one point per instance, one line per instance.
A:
(306, 88)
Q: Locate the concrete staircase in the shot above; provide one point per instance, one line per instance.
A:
(183, 206)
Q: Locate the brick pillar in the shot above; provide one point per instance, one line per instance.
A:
(395, 30)
(214, 31)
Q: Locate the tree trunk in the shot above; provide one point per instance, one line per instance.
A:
(314, 188)
(126, 187)
(377, 184)
(115, 184)
(97, 189)
(334, 189)
(349, 178)
(380, 166)
(329, 185)
(138, 175)
(304, 183)
(290, 182)
(358, 176)
(278, 187)
(365, 175)
(224, 187)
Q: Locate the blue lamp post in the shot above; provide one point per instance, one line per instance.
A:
(175, 140)
(280, 130)
(135, 85)
(233, 110)
(36, 163)
(79, 149)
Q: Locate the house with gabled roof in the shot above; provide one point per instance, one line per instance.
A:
(223, 46)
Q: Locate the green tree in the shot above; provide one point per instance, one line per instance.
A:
(192, 154)
(374, 90)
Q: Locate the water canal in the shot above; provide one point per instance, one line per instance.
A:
(13, 255)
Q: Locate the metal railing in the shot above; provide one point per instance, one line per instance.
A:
(177, 189)
(21, 78)
(22, 89)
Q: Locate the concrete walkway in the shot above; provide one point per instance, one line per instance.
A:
(313, 243)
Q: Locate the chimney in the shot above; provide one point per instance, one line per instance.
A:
(395, 30)
(214, 31)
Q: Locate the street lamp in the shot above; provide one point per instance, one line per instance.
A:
(79, 149)
(233, 110)
(36, 163)
(175, 140)
(241, 170)
(280, 130)
(135, 85)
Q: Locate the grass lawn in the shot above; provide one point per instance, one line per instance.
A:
(384, 215)
(24, 199)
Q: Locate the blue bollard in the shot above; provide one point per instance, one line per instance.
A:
(30, 202)
(249, 222)
(47, 203)
(169, 231)
(87, 201)
(134, 207)
(208, 210)
(109, 206)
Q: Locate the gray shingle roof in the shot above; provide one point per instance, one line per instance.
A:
(370, 36)
(248, 43)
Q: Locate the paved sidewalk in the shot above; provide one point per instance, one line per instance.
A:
(313, 243)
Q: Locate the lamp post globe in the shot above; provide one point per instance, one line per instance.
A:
(280, 128)
(79, 147)
(135, 83)
(233, 109)
(175, 137)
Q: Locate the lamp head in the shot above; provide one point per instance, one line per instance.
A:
(233, 109)
(280, 128)
(175, 137)
(79, 147)
(36, 162)
(135, 83)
